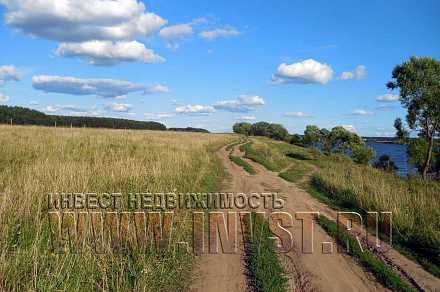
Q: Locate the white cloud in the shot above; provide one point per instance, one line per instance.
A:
(118, 107)
(157, 116)
(157, 88)
(8, 73)
(305, 72)
(195, 109)
(297, 115)
(248, 118)
(177, 31)
(244, 103)
(362, 112)
(349, 128)
(79, 21)
(359, 72)
(4, 98)
(76, 86)
(34, 102)
(388, 98)
(109, 52)
(219, 32)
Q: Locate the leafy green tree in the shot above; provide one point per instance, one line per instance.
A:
(277, 132)
(342, 140)
(385, 163)
(312, 135)
(260, 129)
(242, 128)
(296, 140)
(419, 83)
(417, 150)
(361, 154)
(401, 133)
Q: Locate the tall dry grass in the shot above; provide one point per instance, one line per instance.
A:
(35, 161)
(414, 203)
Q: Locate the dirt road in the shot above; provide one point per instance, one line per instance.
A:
(307, 272)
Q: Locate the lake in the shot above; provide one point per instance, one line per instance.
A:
(398, 154)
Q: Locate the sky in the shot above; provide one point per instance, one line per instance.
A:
(210, 64)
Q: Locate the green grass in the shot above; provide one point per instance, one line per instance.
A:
(240, 162)
(297, 171)
(266, 270)
(381, 271)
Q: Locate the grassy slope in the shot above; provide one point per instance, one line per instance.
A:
(341, 184)
(35, 161)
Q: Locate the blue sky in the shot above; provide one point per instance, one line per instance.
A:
(212, 63)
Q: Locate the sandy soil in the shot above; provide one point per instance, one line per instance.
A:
(306, 272)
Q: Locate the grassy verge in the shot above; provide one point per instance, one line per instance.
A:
(240, 162)
(36, 161)
(266, 270)
(381, 271)
(341, 184)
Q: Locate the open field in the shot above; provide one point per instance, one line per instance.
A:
(35, 161)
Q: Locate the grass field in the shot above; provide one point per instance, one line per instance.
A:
(35, 161)
(342, 184)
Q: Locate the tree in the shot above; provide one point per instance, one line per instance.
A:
(259, 129)
(419, 83)
(296, 140)
(401, 133)
(417, 150)
(342, 140)
(361, 154)
(242, 128)
(277, 132)
(312, 135)
(385, 163)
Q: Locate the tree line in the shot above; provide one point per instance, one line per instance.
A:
(26, 116)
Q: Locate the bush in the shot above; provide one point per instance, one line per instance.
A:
(385, 163)
(362, 154)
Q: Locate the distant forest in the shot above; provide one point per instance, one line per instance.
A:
(26, 116)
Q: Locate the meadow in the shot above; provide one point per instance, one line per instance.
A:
(35, 161)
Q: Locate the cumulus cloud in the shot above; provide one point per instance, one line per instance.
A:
(157, 116)
(4, 98)
(118, 107)
(297, 115)
(79, 21)
(388, 98)
(8, 73)
(359, 72)
(101, 31)
(362, 112)
(109, 52)
(219, 32)
(195, 109)
(248, 118)
(107, 88)
(349, 128)
(244, 103)
(305, 72)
